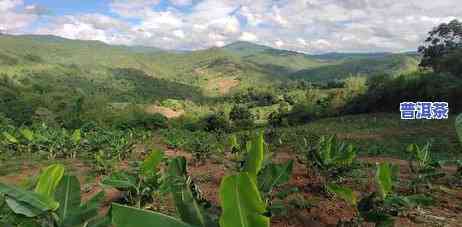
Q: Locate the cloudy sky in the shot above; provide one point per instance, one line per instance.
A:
(311, 26)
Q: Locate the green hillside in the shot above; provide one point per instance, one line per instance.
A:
(323, 67)
(393, 64)
(210, 72)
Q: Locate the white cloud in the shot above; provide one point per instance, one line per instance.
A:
(179, 33)
(302, 41)
(220, 43)
(14, 16)
(303, 25)
(7, 5)
(181, 2)
(90, 27)
(279, 43)
(249, 37)
(132, 8)
(161, 21)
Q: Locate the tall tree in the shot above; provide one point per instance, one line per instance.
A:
(442, 50)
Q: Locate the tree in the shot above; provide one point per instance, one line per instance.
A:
(241, 116)
(442, 50)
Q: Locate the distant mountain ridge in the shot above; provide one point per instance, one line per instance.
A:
(244, 61)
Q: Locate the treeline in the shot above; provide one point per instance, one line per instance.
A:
(385, 94)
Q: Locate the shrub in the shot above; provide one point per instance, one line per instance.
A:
(216, 122)
(137, 118)
(242, 117)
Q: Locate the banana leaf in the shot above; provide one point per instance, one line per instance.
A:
(255, 156)
(49, 179)
(124, 216)
(459, 127)
(150, 164)
(344, 193)
(27, 203)
(185, 202)
(241, 203)
(384, 179)
(274, 175)
(68, 196)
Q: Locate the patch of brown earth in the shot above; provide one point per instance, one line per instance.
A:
(223, 86)
(167, 112)
(361, 136)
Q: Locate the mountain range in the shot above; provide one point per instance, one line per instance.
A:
(215, 70)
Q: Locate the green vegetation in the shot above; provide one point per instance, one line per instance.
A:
(244, 135)
(55, 201)
(380, 206)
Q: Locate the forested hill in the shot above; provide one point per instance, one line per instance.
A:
(214, 70)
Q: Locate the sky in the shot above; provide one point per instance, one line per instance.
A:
(310, 26)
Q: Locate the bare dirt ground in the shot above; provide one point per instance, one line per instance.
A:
(223, 86)
(167, 112)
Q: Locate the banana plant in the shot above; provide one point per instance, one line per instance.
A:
(125, 216)
(104, 164)
(459, 127)
(382, 205)
(241, 201)
(188, 200)
(332, 157)
(75, 142)
(255, 156)
(240, 197)
(423, 167)
(274, 175)
(233, 143)
(186, 203)
(10, 141)
(29, 138)
(54, 201)
(139, 185)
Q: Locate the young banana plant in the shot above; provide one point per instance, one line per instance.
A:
(458, 125)
(139, 185)
(382, 205)
(331, 158)
(423, 167)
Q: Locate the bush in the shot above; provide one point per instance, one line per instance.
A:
(256, 98)
(216, 122)
(242, 117)
(137, 118)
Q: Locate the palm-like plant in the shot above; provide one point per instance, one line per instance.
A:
(423, 167)
(331, 157)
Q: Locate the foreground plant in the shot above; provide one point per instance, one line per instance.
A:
(54, 201)
(423, 167)
(138, 186)
(382, 205)
(240, 195)
(330, 158)
(459, 127)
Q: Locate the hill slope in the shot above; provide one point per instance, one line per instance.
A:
(214, 71)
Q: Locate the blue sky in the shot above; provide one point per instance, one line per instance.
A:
(312, 26)
(63, 7)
